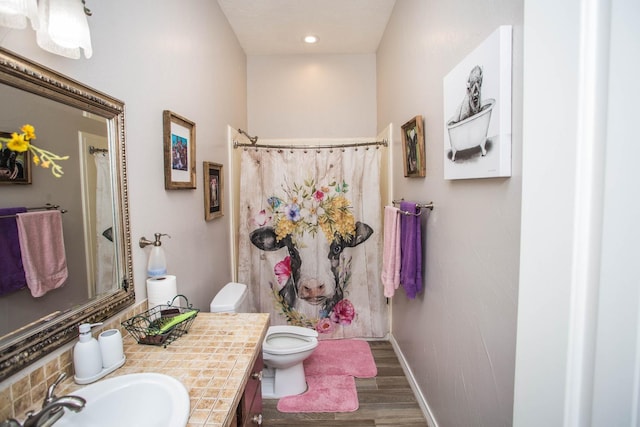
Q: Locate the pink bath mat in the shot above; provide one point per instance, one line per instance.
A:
(341, 357)
(326, 393)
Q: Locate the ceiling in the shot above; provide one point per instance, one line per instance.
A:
(277, 27)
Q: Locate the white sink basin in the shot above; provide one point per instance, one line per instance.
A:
(136, 400)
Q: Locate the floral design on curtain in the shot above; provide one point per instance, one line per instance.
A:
(308, 251)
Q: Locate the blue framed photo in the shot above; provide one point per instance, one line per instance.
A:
(179, 152)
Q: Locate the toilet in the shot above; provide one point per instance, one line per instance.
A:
(283, 349)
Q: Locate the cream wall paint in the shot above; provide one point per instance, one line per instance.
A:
(156, 56)
(311, 96)
(459, 336)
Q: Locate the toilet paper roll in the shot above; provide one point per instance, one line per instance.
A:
(161, 290)
(111, 347)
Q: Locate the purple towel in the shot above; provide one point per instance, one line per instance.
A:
(411, 250)
(12, 275)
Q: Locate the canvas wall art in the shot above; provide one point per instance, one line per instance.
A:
(477, 111)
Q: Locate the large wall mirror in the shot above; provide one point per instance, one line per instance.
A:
(88, 126)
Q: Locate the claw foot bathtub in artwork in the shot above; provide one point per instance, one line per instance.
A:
(470, 132)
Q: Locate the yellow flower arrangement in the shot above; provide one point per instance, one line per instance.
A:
(22, 142)
(310, 208)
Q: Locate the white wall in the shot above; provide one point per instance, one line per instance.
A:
(159, 56)
(551, 163)
(616, 373)
(578, 353)
(311, 96)
(459, 336)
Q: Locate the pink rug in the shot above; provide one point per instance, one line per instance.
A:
(330, 370)
(326, 393)
(341, 357)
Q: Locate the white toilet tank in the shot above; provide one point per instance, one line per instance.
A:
(230, 299)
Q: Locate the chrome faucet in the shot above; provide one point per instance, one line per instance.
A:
(52, 408)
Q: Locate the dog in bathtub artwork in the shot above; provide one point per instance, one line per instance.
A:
(477, 111)
(468, 127)
(311, 229)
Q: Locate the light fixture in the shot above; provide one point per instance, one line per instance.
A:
(14, 13)
(64, 28)
(311, 39)
(61, 25)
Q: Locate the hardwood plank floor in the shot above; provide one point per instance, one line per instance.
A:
(386, 400)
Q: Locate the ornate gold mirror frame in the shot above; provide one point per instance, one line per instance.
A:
(25, 347)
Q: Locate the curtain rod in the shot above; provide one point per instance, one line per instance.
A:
(253, 139)
(93, 150)
(384, 143)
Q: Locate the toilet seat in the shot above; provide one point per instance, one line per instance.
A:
(281, 340)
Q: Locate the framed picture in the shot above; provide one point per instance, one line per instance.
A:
(213, 191)
(179, 152)
(15, 168)
(477, 111)
(413, 148)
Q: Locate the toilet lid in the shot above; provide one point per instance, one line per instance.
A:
(229, 298)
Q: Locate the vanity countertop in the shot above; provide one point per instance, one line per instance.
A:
(213, 360)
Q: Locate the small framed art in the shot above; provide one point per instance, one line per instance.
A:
(179, 152)
(15, 167)
(213, 191)
(413, 148)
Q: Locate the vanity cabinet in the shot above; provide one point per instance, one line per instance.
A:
(249, 412)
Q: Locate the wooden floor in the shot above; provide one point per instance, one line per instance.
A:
(386, 400)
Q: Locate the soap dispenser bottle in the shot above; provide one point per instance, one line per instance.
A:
(157, 265)
(87, 357)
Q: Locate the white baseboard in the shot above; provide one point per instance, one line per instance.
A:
(422, 402)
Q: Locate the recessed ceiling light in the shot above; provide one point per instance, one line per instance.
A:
(311, 39)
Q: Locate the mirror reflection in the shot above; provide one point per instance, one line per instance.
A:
(83, 193)
(72, 120)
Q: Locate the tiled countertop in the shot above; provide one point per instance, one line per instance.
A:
(213, 361)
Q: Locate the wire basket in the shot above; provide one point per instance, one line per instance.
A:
(162, 324)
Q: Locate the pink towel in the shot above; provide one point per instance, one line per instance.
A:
(391, 251)
(42, 248)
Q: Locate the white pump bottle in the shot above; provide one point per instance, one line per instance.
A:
(87, 358)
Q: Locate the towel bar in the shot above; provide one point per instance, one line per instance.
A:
(418, 205)
(47, 207)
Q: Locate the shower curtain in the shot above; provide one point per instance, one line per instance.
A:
(105, 271)
(310, 235)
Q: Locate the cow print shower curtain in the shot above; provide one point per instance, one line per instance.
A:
(310, 237)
